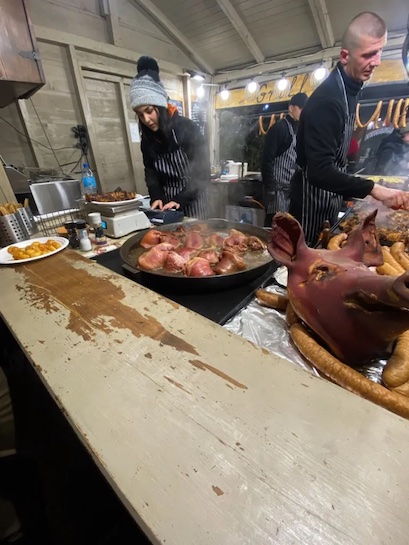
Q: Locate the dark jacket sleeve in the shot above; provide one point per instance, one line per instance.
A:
(152, 179)
(323, 124)
(276, 142)
(194, 144)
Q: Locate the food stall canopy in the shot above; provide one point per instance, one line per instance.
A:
(238, 39)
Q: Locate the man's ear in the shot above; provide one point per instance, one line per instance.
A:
(343, 56)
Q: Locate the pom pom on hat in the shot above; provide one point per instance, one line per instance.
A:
(146, 87)
(147, 63)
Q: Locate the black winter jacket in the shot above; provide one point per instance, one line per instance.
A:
(319, 133)
(392, 156)
(191, 141)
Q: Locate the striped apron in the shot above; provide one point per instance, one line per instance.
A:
(174, 169)
(319, 205)
(283, 169)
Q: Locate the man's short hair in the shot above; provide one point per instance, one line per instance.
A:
(366, 23)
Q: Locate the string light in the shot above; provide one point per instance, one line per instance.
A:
(320, 73)
(282, 84)
(252, 87)
(225, 94)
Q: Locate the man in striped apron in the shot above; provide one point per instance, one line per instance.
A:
(279, 159)
(325, 132)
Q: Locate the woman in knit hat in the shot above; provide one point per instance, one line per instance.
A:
(175, 154)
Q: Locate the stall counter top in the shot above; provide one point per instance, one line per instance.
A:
(205, 437)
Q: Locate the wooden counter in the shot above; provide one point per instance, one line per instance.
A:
(205, 437)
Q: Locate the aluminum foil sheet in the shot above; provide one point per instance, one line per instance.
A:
(267, 327)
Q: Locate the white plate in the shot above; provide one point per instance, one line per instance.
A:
(7, 259)
(117, 203)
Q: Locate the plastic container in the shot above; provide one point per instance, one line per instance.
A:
(89, 184)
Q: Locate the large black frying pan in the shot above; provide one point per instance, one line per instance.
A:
(131, 250)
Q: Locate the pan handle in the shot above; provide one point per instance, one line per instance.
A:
(133, 271)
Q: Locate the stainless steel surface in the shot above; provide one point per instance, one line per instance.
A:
(12, 230)
(109, 210)
(56, 196)
(18, 181)
(26, 217)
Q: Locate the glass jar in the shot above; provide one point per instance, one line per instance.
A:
(95, 221)
(85, 243)
(73, 238)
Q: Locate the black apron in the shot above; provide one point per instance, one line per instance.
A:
(175, 175)
(283, 169)
(319, 204)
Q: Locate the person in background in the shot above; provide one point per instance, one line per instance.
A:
(325, 130)
(175, 154)
(393, 154)
(352, 155)
(279, 159)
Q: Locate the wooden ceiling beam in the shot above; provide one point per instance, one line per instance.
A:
(231, 13)
(273, 66)
(322, 22)
(166, 25)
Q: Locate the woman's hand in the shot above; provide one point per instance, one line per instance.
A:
(171, 204)
(157, 204)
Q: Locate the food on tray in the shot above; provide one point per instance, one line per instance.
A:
(396, 371)
(391, 225)
(199, 251)
(273, 300)
(113, 196)
(35, 249)
(345, 376)
(353, 310)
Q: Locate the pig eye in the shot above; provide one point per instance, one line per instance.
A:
(323, 272)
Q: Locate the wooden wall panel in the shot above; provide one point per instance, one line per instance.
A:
(115, 168)
(81, 17)
(56, 105)
(14, 147)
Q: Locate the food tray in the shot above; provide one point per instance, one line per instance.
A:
(391, 225)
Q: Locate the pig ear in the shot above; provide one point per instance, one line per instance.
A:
(286, 238)
(363, 243)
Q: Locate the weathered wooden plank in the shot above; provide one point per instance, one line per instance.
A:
(205, 437)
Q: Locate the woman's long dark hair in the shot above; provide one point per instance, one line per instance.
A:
(164, 133)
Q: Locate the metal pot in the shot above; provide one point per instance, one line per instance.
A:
(191, 284)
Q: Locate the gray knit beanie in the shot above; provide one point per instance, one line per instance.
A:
(146, 87)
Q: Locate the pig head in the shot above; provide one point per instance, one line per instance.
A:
(353, 310)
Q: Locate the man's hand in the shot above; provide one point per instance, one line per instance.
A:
(157, 204)
(171, 204)
(392, 198)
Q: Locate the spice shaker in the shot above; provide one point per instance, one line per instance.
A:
(95, 221)
(73, 239)
(85, 243)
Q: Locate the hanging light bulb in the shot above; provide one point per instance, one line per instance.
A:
(200, 92)
(320, 73)
(252, 86)
(224, 94)
(282, 84)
